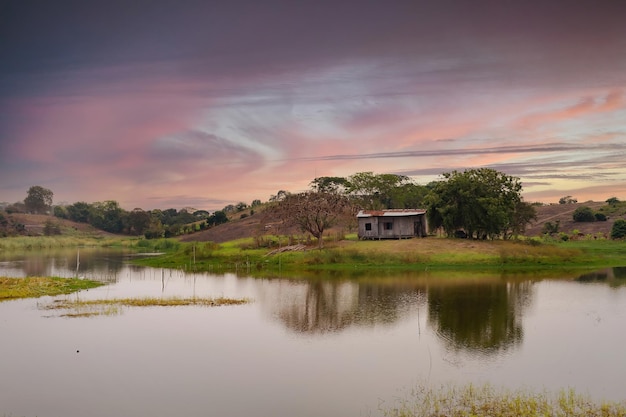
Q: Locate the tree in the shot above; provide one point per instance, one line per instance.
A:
(79, 212)
(376, 191)
(313, 212)
(216, 218)
(583, 214)
(568, 200)
(38, 200)
(482, 202)
(618, 231)
(107, 216)
(138, 221)
(524, 213)
(330, 184)
(612, 201)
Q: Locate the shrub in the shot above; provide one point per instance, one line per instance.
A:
(549, 228)
(601, 217)
(584, 214)
(619, 229)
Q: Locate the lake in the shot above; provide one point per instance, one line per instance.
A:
(315, 346)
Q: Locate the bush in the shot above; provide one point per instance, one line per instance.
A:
(549, 228)
(584, 214)
(619, 229)
(601, 217)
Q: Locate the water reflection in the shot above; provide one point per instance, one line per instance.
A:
(615, 276)
(102, 264)
(484, 318)
(322, 306)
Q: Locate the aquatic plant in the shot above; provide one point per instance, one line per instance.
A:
(485, 400)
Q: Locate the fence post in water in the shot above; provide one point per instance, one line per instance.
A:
(77, 261)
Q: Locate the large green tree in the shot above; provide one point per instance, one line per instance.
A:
(379, 191)
(482, 202)
(38, 200)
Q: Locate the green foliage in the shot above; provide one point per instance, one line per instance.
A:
(600, 217)
(550, 228)
(482, 202)
(583, 214)
(79, 212)
(568, 200)
(380, 191)
(216, 218)
(618, 231)
(107, 216)
(38, 200)
(51, 228)
(137, 221)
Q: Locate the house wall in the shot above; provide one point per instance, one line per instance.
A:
(401, 227)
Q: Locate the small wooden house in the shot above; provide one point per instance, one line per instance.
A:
(392, 224)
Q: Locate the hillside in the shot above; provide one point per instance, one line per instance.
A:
(255, 225)
(563, 214)
(34, 225)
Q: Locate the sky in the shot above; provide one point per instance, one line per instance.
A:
(172, 104)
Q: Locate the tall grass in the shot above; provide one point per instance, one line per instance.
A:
(487, 401)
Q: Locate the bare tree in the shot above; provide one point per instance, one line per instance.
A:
(313, 212)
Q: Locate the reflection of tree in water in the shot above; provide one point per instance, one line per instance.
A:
(321, 306)
(98, 263)
(615, 276)
(481, 317)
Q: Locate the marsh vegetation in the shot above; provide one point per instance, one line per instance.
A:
(29, 287)
(487, 401)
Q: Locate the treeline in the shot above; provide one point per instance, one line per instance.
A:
(476, 203)
(110, 217)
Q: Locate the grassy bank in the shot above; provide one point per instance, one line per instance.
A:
(11, 288)
(471, 400)
(28, 243)
(268, 255)
(412, 254)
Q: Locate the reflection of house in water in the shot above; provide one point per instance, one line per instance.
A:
(392, 224)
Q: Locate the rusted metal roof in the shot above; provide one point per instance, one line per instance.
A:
(391, 213)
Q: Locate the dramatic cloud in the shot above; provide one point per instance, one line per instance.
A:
(158, 105)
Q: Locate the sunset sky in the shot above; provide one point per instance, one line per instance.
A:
(168, 104)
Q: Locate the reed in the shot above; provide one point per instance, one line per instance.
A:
(487, 401)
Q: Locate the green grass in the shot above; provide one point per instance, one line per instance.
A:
(51, 242)
(11, 288)
(413, 254)
(487, 401)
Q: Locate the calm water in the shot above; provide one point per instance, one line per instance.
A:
(305, 347)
